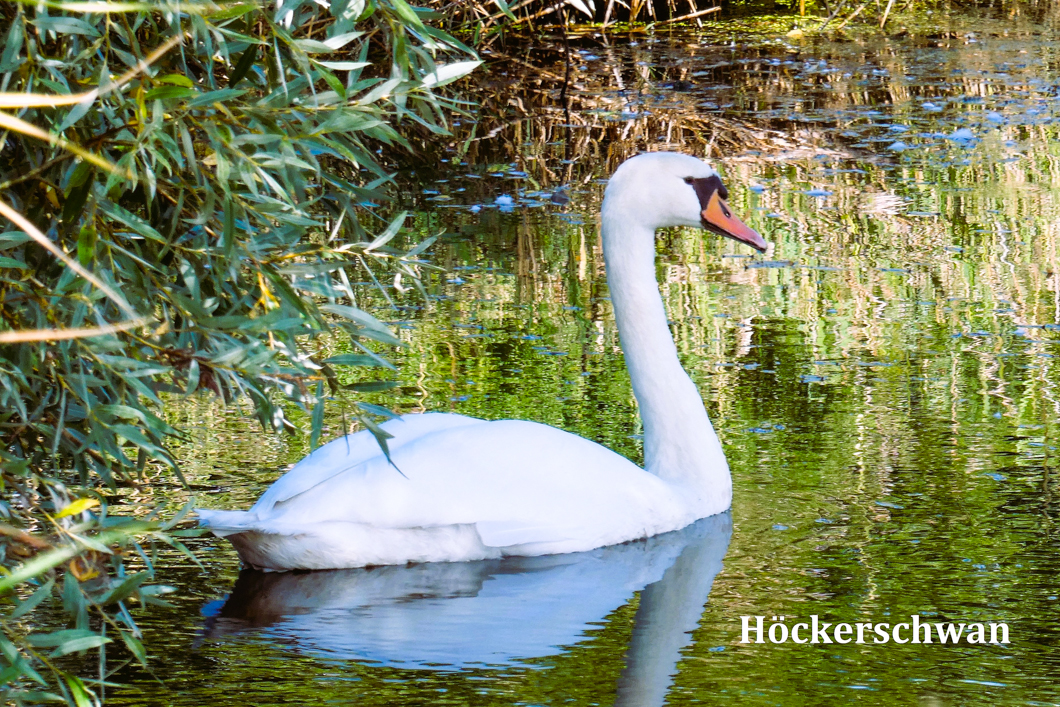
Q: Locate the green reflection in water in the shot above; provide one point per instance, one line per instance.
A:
(884, 382)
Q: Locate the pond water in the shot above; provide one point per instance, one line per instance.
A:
(884, 381)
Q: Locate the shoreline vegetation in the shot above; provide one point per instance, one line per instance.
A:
(194, 197)
(190, 192)
(487, 21)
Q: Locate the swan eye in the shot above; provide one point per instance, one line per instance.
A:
(689, 180)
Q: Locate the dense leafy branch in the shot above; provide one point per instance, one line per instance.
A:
(192, 190)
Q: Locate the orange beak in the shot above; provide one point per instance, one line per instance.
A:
(718, 218)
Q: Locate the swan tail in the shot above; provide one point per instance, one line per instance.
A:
(224, 523)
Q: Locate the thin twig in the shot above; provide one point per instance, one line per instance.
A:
(692, 7)
(883, 21)
(563, 94)
(22, 336)
(852, 16)
(607, 12)
(542, 13)
(689, 16)
(495, 17)
(838, 9)
(44, 167)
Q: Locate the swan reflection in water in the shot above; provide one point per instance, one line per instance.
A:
(454, 615)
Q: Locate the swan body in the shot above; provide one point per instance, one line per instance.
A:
(470, 489)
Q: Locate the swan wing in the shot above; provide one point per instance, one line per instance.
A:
(350, 451)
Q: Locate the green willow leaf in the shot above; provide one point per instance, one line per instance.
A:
(66, 25)
(34, 600)
(448, 73)
(361, 317)
(13, 239)
(124, 589)
(352, 360)
(220, 96)
(242, 67)
(78, 645)
(164, 93)
(58, 638)
(11, 263)
(135, 647)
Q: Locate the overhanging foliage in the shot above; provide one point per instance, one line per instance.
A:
(192, 190)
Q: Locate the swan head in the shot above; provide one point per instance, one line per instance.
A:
(665, 189)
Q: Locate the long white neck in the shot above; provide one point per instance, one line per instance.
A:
(679, 442)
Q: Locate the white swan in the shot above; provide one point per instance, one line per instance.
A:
(474, 489)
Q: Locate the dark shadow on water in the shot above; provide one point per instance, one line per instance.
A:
(503, 612)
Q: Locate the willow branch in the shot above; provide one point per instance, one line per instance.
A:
(22, 336)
